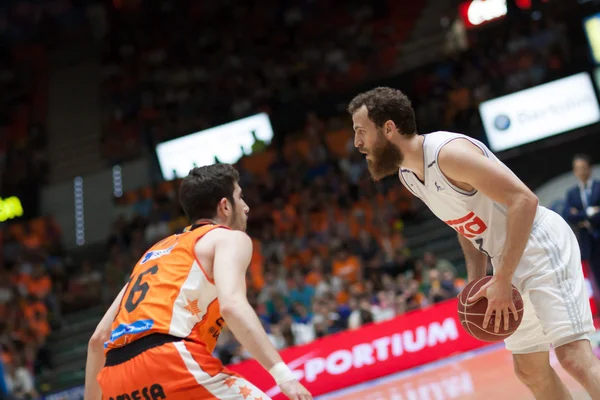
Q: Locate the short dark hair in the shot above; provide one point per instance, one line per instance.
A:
(204, 187)
(583, 157)
(385, 104)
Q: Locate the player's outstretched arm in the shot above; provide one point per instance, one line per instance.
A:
(233, 252)
(95, 354)
(476, 260)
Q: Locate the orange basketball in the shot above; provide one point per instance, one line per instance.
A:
(471, 315)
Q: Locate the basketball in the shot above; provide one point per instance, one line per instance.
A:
(472, 315)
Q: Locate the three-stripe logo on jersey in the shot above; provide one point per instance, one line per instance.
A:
(469, 226)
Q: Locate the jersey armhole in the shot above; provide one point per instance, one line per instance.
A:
(406, 184)
(437, 165)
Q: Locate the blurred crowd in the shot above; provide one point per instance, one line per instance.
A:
(161, 82)
(171, 83)
(23, 163)
(31, 289)
(39, 284)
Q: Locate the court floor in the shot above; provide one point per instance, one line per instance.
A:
(481, 375)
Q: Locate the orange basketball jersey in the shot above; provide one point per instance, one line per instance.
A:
(170, 293)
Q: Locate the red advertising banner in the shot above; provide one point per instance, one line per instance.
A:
(373, 351)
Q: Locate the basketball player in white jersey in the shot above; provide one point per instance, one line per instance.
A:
(495, 215)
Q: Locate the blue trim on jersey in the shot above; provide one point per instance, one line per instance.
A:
(142, 325)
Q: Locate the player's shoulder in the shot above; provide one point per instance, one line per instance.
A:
(440, 136)
(459, 147)
(225, 236)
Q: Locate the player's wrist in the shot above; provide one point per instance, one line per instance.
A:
(281, 373)
(501, 275)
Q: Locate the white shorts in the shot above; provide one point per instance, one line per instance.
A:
(550, 279)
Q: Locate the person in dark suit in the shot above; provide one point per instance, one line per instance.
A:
(582, 210)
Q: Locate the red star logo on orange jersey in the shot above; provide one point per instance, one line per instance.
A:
(192, 307)
(245, 391)
(230, 381)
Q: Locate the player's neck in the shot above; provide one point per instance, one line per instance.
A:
(412, 149)
(209, 221)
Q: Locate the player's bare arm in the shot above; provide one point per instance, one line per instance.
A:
(463, 163)
(476, 260)
(232, 255)
(95, 354)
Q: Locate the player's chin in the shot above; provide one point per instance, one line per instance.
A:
(378, 174)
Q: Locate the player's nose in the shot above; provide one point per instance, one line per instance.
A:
(358, 143)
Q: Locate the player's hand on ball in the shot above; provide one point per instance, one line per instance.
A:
(498, 293)
(295, 391)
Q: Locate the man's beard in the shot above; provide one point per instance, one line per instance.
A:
(238, 222)
(385, 158)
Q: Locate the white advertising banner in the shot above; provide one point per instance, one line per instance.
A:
(540, 112)
(228, 143)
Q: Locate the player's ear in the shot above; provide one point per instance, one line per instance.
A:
(388, 129)
(225, 206)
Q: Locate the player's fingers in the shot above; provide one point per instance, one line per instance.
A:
(486, 317)
(513, 308)
(505, 318)
(478, 295)
(497, 319)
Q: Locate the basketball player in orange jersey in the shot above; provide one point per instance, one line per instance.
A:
(495, 216)
(156, 339)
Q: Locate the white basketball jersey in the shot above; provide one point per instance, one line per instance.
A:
(472, 214)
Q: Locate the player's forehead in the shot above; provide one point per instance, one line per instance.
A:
(237, 189)
(360, 119)
(578, 162)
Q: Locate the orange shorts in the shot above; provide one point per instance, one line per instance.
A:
(179, 370)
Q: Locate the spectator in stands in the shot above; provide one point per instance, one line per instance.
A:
(301, 293)
(361, 313)
(384, 309)
(347, 266)
(582, 210)
(19, 381)
(303, 326)
(430, 261)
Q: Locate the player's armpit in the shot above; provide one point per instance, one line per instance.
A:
(233, 252)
